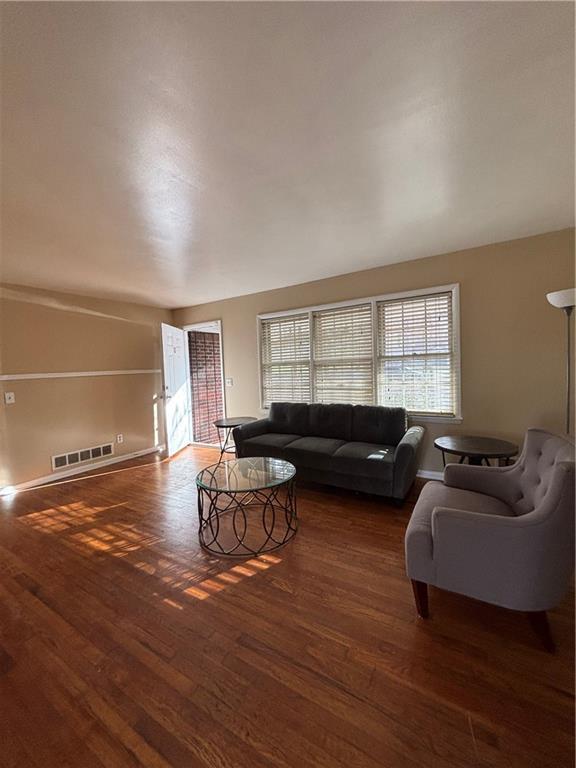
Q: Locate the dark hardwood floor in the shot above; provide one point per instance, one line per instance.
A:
(123, 644)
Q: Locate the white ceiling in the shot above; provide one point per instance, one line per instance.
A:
(176, 153)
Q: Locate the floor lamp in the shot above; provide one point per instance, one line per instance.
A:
(566, 300)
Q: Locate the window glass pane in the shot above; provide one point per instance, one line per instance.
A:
(285, 339)
(343, 333)
(285, 359)
(415, 326)
(347, 382)
(343, 358)
(420, 384)
(416, 363)
(286, 383)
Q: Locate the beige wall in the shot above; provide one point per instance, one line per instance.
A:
(44, 332)
(513, 341)
(512, 352)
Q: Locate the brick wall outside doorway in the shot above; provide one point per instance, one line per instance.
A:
(206, 382)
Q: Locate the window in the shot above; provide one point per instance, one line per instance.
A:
(342, 355)
(416, 359)
(285, 359)
(398, 350)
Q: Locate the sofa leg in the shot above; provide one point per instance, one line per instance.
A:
(539, 622)
(420, 597)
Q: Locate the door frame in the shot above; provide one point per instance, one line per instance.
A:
(207, 326)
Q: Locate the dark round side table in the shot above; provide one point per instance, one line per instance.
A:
(475, 449)
(226, 426)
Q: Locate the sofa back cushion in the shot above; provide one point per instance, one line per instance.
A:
(378, 424)
(289, 418)
(357, 423)
(333, 421)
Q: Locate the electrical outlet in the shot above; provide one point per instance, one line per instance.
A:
(119, 438)
(9, 398)
(229, 382)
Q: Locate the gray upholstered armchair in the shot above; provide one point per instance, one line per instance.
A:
(504, 535)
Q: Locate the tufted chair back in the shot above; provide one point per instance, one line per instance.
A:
(539, 479)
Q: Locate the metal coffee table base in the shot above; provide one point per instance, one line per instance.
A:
(231, 523)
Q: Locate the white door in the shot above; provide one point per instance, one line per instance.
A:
(176, 388)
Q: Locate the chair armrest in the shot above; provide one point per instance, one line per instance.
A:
(405, 461)
(492, 481)
(448, 521)
(497, 559)
(251, 429)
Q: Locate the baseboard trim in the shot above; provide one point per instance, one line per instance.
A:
(429, 474)
(425, 474)
(78, 470)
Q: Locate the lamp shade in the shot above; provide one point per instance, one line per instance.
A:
(562, 299)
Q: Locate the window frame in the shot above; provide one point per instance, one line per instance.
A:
(453, 288)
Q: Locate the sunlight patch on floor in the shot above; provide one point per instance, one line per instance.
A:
(84, 528)
(116, 539)
(220, 581)
(61, 518)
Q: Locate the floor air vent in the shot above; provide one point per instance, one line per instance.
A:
(85, 454)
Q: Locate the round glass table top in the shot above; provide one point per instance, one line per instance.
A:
(250, 474)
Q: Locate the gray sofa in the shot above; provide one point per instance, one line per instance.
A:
(360, 447)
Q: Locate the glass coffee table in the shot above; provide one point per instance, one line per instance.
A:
(246, 506)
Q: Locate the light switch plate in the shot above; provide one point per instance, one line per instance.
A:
(9, 398)
(229, 382)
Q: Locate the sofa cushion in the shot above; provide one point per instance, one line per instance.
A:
(313, 452)
(377, 424)
(365, 460)
(289, 418)
(333, 421)
(271, 444)
(271, 440)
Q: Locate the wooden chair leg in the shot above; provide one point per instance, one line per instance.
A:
(420, 597)
(539, 622)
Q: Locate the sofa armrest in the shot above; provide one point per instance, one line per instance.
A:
(492, 481)
(405, 461)
(251, 429)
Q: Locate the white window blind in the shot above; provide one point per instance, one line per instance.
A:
(396, 351)
(285, 359)
(343, 359)
(417, 364)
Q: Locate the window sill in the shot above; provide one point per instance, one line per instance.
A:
(415, 418)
